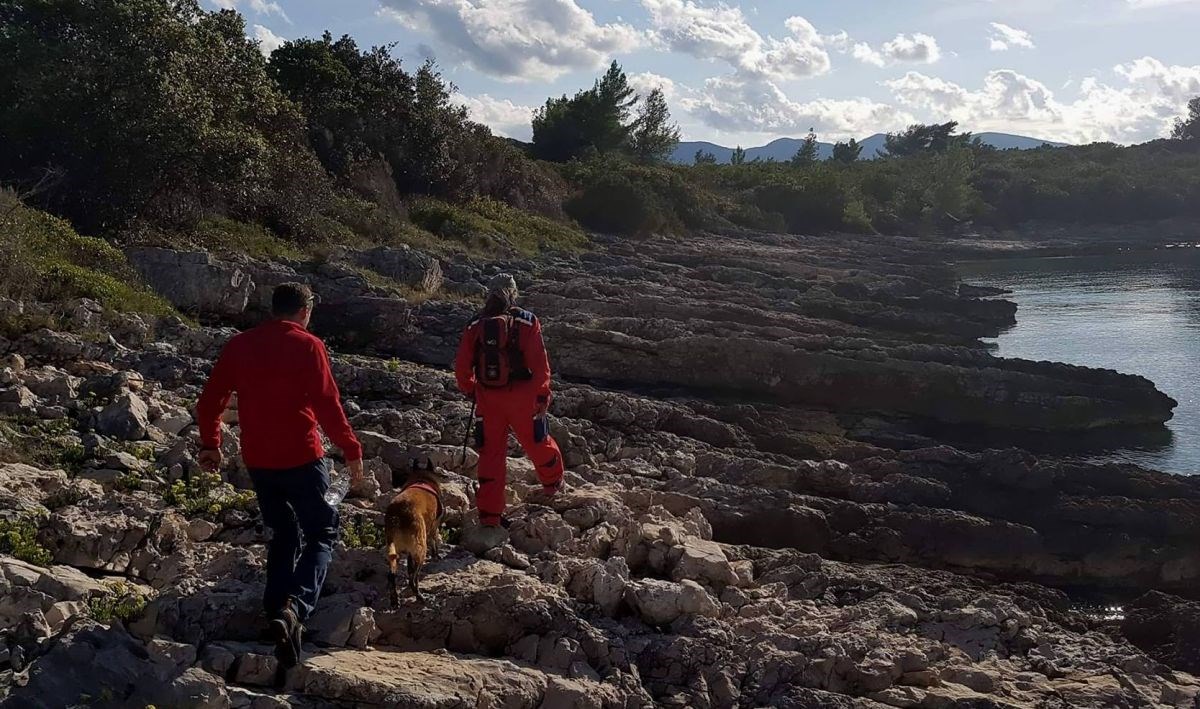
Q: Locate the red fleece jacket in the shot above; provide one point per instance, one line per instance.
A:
(285, 388)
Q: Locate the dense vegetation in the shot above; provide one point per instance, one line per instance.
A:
(928, 185)
(138, 120)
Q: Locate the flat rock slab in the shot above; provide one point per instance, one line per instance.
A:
(421, 680)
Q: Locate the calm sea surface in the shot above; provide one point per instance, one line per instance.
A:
(1137, 313)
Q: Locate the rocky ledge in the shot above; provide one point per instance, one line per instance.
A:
(685, 566)
(732, 539)
(853, 325)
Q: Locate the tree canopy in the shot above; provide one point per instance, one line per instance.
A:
(806, 154)
(932, 138)
(847, 152)
(597, 121)
(1188, 128)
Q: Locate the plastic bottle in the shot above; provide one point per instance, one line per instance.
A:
(339, 486)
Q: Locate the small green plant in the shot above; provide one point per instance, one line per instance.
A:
(207, 495)
(128, 481)
(451, 535)
(141, 451)
(393, 365)
(120, 601)
(361, 533)
(18, 538)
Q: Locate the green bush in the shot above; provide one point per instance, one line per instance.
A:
(224, 235)
(206, 495)
(488, 227)
(43, 258)
(359, 532)
(18, 538)
(121, 601)
(621, 197)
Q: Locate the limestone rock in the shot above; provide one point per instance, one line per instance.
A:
(127, 418)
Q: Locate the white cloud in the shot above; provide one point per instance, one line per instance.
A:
(647, 81)
(258, 7)
(518, 39)
(1140, 108)
(865, 54)
(1178, 83)
(503, 116)
(722, 32)
(737, 105)
(268, 41)
(1004, 37)
(1143, 4)
(917, 48)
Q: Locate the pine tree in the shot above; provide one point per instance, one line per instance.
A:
(703, 157)
(807, 152)
(847, 152)
(654, 136)
(738, 157)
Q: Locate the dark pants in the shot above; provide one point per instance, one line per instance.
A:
(304, 528)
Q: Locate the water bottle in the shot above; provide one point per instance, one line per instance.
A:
(338, 488)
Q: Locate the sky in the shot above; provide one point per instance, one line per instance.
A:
(745, 73)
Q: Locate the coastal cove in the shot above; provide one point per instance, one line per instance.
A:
(1137, 312)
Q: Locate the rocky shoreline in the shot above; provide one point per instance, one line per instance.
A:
(751, 519)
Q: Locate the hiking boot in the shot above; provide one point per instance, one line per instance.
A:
(288, 634)
(478, 538)
(553, 489)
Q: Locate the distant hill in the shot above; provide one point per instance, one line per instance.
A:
(783, 149)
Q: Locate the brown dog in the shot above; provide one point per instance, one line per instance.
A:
(413, 526)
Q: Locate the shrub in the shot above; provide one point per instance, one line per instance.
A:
(359, 532)
(486, 226)
(18, 538)
(121, 601)
(45, 259)
(208, 496)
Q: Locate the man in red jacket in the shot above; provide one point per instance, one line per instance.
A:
(285, 389)
(502, 364)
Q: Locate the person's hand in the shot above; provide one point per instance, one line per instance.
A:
(210, 460)
(356, 470)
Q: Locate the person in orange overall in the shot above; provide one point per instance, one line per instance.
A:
(502, 365)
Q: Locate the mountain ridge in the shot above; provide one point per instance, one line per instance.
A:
(782, 149)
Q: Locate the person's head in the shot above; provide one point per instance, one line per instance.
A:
(294, 302)
(502, 294)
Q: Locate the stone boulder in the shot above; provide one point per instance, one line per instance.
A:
(106, 668)
(194, 281)
(404, 265)
(126, 418)
(1167, 628)
(660, 603)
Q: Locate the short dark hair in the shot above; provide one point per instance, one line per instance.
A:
(290, 298)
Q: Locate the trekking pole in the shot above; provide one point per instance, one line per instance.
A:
(467, 437)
